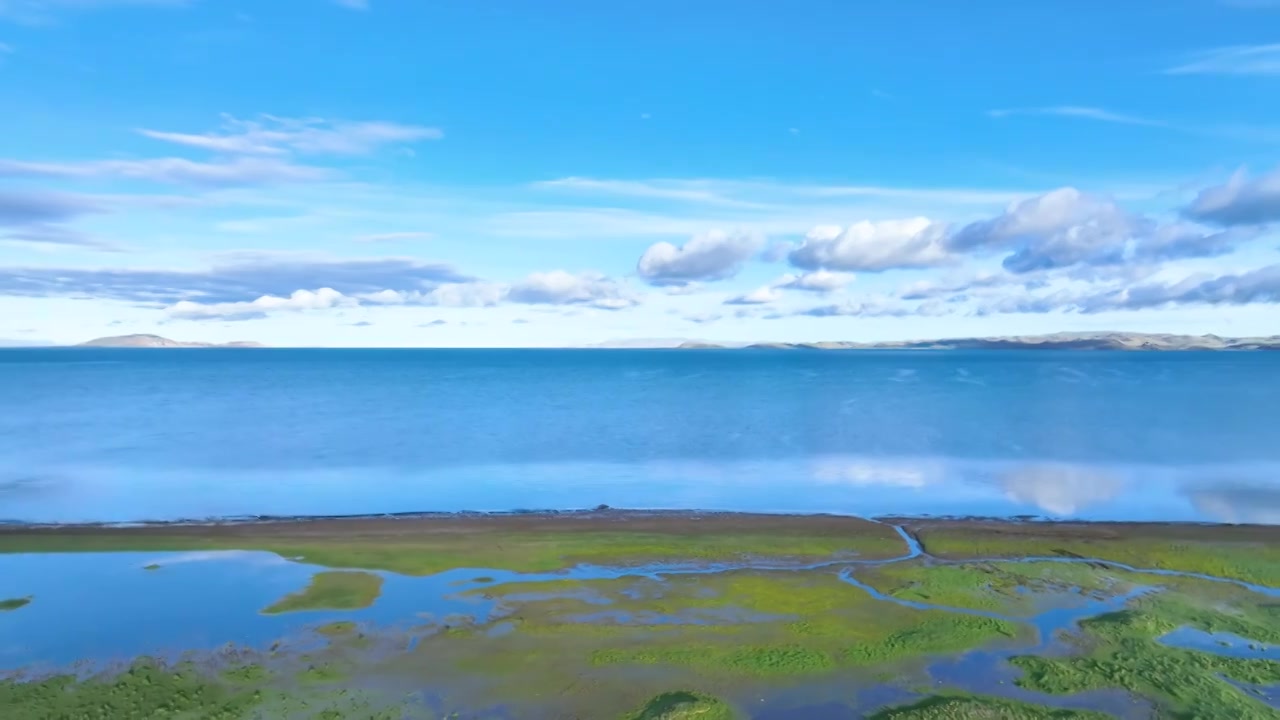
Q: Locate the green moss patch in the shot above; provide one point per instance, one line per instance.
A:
(14, 603)
(684, 705)
(336, 590)
(1184, 683)
(146, 690)
(1249, 554)
(978, 707)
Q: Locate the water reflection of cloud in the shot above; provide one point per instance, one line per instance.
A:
(875, 472)
(1059, 489)
(255, 557)
(1237, 502)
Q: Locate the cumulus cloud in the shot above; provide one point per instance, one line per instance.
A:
(714, 255)
(1058, 228)
(760, 296)
(271, 135)
(1256, 286)
(873, 246)
(559, 287)
(178, 171)
(321, 299)
(822, 281)
(1066, 228)
(1233, 60)
(1060, 489)
(1242, 200)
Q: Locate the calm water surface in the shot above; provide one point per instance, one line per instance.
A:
(119, 435)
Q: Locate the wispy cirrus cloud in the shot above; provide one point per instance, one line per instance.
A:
(1232, 60)
(273, 135)
(39, 217)
(1078, 111)
(177, 171)
(239, 278)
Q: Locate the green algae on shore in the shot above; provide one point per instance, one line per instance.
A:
(733, 624)
(1123, 652)
(980, 707)
(145, 690)
(334, 590)
(151, 689)
(14, 603)
(1011, 588)
(535, 543)
(1245, 553)
(596, 647)
(684, 705)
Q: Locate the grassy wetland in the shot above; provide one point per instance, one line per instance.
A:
(639, 615)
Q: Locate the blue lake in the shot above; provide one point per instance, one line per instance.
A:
(122, 435)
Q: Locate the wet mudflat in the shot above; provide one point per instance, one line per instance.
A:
(639, 615)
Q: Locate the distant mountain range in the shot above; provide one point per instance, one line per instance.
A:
(155, 341)
(1054, 341)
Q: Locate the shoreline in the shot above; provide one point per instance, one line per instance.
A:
(600, 515)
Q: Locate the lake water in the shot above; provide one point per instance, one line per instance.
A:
(123, 435)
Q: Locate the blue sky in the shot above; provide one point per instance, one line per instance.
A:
(506, 173)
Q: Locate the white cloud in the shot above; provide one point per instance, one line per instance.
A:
(694, 191)
(1076, 111)
(456, 294)
(760, 296)
(241, 171)
(1066, 228)
(1242, 200)
(559, 287)
(320, 299)
(1234, 60)
(271, 135)
(817, 281)
(873, 246)
(714, 255)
